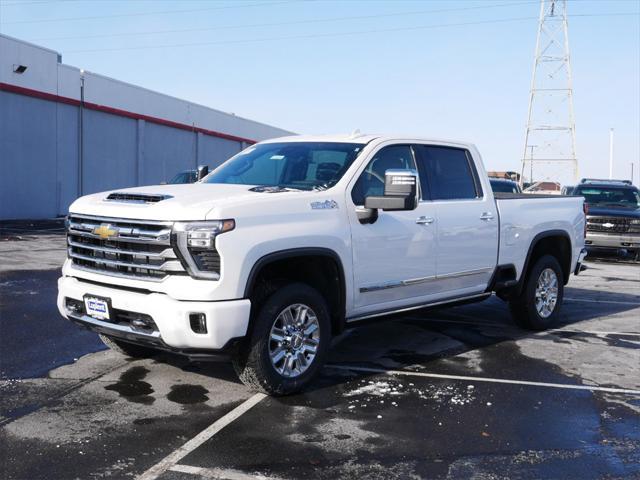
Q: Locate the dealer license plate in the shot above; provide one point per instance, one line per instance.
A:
(97, 308)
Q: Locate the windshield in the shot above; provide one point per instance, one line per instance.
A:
(292, 165)
(184, 177)
(610, 196)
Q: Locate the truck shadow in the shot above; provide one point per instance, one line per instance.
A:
(481, 339)
(463, 340)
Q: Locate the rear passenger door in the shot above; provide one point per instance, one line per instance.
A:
(467, 223)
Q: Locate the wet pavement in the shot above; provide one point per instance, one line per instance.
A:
(457, 393)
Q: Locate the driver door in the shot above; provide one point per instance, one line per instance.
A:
(394, 258)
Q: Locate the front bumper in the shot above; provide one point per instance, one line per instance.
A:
(613, 241)
(225, 320)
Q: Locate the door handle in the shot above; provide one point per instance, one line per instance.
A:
(424, 220)
(486, 216)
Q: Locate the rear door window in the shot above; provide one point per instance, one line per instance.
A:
(448, 172)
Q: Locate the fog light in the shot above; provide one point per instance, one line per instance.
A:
(139, 323)
(74, 306)
(198, 322)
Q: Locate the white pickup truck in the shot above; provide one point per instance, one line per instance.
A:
(295, 239)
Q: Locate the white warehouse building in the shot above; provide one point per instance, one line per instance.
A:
(65, 133)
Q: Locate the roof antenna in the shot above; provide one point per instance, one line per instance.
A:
(355, 133)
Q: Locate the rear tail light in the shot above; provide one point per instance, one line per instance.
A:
(585, 209)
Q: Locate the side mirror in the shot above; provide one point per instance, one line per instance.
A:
(203, 171)
(400, 191)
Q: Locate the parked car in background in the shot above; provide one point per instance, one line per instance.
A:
(548, 188)
(295, 239)
(613, 217)
(504, 186)
(190, 176)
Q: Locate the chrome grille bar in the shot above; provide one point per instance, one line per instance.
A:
(164, 254)
(146, 240)
(171, 266)
(124, 233)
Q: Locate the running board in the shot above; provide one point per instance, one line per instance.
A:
(451, 302)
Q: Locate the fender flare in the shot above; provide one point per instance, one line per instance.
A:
(532, 246)
(302, 252)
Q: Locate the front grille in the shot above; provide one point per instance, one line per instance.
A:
(608, 224)
(134, 249)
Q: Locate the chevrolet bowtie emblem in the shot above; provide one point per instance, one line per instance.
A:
(105, 231)
(608, 225)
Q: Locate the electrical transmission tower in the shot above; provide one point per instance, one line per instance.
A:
(550, 139)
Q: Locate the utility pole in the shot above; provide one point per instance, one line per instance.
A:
(550, 119)
(610, 153)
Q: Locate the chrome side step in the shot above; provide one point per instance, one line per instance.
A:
(471, 298)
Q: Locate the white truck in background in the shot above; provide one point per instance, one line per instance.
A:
(295, 239)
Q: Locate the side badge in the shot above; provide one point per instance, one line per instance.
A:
(326, 205)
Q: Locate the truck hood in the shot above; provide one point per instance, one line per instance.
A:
(196, 201)
(614, 211)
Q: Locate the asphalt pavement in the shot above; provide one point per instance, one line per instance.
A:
(456, 393)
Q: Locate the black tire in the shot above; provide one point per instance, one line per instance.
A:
(523, 307)
(126, 349)
(252, 362)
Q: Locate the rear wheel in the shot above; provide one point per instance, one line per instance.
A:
(538, 305)
(127, 349)
(288, 343)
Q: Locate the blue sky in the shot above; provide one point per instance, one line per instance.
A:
(379, 66)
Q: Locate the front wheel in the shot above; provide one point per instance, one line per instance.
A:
(288, 343)
(538, 306)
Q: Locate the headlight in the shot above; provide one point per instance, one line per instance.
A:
(635, 221)
(195, 242)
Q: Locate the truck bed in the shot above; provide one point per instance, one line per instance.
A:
(525, 216)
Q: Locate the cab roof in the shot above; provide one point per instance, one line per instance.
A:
(361, 138)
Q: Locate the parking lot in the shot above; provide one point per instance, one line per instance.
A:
(456, 393)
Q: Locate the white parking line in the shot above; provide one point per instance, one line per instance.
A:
(486, 379)
(503, 325)
(596, 332)
(173, 458)
(614, 302)
(218, 473)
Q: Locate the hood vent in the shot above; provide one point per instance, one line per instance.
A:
(136, 197)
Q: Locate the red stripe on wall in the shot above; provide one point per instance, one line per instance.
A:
(116, 111)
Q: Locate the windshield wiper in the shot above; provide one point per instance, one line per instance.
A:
(274, 189)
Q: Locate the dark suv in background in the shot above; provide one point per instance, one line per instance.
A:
(613, 217)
